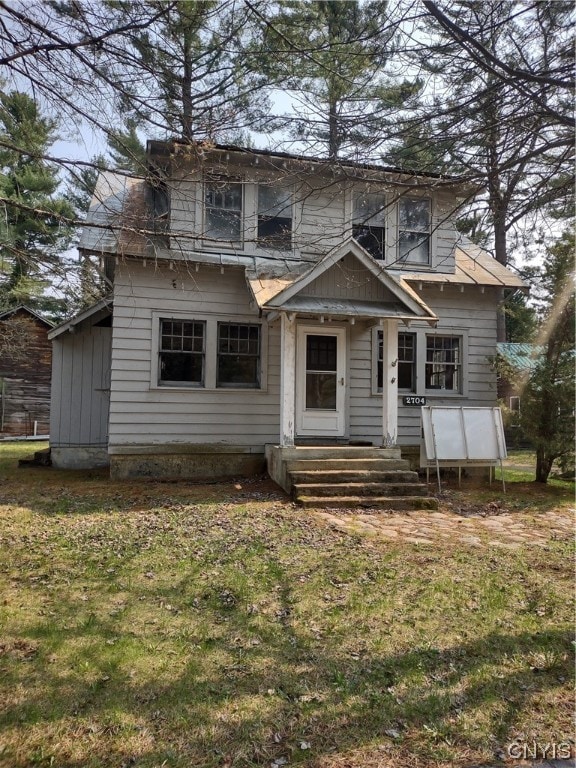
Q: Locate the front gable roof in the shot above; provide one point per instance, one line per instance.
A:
(288, 293)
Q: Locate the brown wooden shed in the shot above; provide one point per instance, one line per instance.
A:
(25, 373)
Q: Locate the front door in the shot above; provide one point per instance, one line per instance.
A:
(320, 381)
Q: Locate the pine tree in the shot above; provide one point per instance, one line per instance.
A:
(548, 398)
(331, 55)
(34, 228)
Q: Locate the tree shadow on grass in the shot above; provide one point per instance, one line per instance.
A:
(245, 690)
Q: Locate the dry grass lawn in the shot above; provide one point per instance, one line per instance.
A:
(169, 624)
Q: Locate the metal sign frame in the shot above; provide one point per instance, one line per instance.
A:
(457, 436)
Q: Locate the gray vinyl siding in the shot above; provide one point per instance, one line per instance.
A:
(471, 314)
(142, 412)
(80, 387)
(321, 213)
(348, 280)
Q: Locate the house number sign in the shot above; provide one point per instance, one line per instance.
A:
(413, 400)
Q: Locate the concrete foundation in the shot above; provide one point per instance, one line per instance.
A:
(79, 457)
(191, 462)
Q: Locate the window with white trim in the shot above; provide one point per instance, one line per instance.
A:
(444, 363)
(406, 361)
(414, 230)
(274, 217)
(369, 224)
(223, 210)
(182, 353)
(238, 355)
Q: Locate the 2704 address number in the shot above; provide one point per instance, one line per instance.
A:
(413, 400)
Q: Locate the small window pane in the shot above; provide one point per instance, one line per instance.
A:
(370, 209)
(414, 247)
(415, 215)
(372, 239)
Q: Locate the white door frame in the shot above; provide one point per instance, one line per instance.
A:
(323, 423)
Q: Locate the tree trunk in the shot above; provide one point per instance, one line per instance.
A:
(543, 464)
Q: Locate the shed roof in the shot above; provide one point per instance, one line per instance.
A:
(69, 325)
(23, 308)
(523, 357)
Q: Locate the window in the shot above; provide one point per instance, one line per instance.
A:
(515, 404)
(238, 355)
(443, 363)
(274, 218)
(406, 361)
(182, 352)
(368, 224)
(223, 206)
(414, 230)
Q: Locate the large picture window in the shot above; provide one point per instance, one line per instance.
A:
(274, 217)
(414, 230)
(238, 355)
(182, 352)
(444, 363)
(223, 210)
(368, 224)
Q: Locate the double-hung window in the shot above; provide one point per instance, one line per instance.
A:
(182, 353)
(223, 210)
(274, 217)
(369, 224)
(444, 363)
(406, 361)
(238, 363)
(414, 230)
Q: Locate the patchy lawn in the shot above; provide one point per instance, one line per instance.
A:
(179, 625)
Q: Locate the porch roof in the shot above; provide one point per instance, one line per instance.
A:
(288, 292)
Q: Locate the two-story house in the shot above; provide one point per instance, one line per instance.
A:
(263, 301)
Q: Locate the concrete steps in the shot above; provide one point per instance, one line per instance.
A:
(352, 477)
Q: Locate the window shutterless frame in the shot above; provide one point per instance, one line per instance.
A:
(414, 225)
(238, 355)
(369, 223)
(223, 210)
(181, 359)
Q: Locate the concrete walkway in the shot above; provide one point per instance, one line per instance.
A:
(508, 530)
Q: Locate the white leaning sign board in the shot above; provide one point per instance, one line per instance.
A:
(462, 436)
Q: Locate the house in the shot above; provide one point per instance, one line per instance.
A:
(515, 363)
(262, 301)
(25, 372)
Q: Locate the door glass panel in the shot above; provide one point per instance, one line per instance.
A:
(321, 359)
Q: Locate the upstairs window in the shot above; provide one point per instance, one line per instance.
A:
(368, 224)
(182, 349)
(238, 355)
(414, 230)
(444, 363)
(223, 210)
(274, 218)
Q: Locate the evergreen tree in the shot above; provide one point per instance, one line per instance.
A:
(504, 74)
(185, 73)
(331, 54)
(34, 227)
(548, 398)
